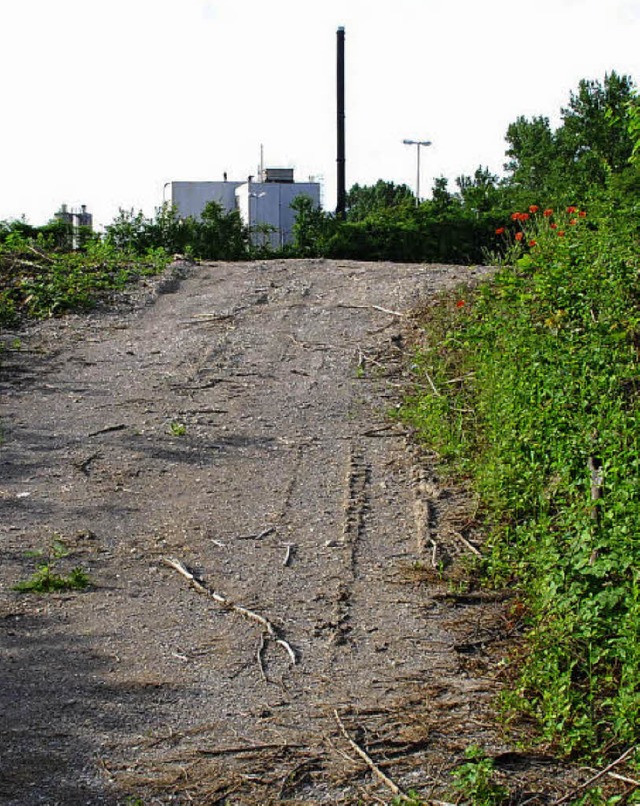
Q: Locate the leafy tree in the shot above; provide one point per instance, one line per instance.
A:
(216, 235)
(220, 235)
(592, 145)
(381, 198)
(481, 192)
(311, 228)
(595, 135)
(442, 201)
(534, 158)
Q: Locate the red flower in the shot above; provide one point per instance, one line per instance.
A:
(524, 216)
(515, 216)
(500, 231)
(560, 233)
(582, 214)
(534, 208)
(572, 210)
(532, 243)
(548, 212)
(553, 226)
(460, 303)
(519, 236)
(573, 222)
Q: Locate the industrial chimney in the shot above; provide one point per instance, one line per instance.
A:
(342, 191)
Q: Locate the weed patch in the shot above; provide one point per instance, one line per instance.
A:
(528, 388)
(37, 281)
(47, 579)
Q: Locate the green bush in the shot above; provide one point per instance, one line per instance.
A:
(543, 418)
(38, 281)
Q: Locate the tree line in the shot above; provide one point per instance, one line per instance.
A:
(586, 160)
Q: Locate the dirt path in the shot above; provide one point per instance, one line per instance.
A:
(289, 492)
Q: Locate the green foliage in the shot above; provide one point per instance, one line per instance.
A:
(530, 389)
(633, 127)
(39, 281)
(475, 782)
(216, 235)
(311, 228)
(45, 579)
(383, 197)
(177, 428)
(593, 144)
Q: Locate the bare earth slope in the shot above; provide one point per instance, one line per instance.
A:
(289, 493)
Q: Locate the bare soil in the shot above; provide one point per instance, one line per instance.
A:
(290, 492)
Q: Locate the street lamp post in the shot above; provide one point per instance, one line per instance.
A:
(417, 143)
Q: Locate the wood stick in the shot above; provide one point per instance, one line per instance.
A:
(107, 429)
(258, 535)
(431, 383)
(267, 626)
(259, 659)
(375, 308)
(434, 552)
(369, 761)
(287, 557)
(252, 748)
(623, 778)
(569, 796)
(470, 546)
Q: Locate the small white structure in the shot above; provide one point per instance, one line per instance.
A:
(265, 206)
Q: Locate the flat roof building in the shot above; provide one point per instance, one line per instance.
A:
(265, 206)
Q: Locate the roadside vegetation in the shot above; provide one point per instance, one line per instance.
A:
(528, 390)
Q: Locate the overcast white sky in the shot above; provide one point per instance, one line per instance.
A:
(103, 101)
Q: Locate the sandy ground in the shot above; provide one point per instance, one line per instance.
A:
(236, 419)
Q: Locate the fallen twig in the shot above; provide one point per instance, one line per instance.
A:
(259, 658)
(571, 795)
(470, 546)
(375, 432)
(253, 748)
(434, 552)
(431, 383)
(287, 557)
(375, 308)
(369, 761)
(108, 429)
(624, 779)
(258, 535)
(267, 626)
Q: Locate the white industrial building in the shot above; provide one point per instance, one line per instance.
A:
(265, 205)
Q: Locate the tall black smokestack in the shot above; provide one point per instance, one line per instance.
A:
(342, 190)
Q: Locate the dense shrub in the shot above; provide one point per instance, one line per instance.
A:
(543, 421)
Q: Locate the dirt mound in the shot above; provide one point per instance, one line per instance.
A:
(237, 422)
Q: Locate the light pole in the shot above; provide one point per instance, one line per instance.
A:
(417, 143)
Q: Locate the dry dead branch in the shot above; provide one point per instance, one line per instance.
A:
(624, 779)
(434, 552)
(571, 795)
(248, 749)
(369, 307)
(258, 535)
(466, 543)
(289, 553)
(431, 383)
(108, 429)
(369, 761)
(266, 625)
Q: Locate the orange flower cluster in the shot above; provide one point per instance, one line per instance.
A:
(548, 212)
